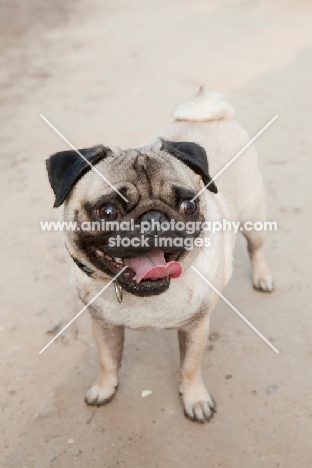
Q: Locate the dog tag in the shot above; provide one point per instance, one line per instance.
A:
(118, 291)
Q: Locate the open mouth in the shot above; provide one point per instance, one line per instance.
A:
(147, 274)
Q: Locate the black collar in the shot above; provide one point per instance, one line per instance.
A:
(87, 270)
(83, 267)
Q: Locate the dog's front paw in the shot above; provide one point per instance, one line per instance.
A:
(198, 404)
(100, 395)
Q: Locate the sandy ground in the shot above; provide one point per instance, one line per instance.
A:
(110, 72)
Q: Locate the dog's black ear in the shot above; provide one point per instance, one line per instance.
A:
(194, 156)
(67, 167)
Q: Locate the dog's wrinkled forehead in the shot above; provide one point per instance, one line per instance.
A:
(155, 159)
(150, 169)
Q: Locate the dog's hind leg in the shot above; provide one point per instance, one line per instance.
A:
(110, 346)
(254, 211)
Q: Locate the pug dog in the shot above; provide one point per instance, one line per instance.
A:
(156, 286)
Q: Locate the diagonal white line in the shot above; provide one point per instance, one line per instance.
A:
(82, 310)
(235, 157)
(235, 310)
(82, 156)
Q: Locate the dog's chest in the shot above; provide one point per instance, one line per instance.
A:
(172, 309)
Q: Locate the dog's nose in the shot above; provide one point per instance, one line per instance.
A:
(154, 220)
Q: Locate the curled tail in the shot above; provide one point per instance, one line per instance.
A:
(204, 107)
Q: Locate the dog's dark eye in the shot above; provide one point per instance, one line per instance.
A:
(108, 212)
(188, 207)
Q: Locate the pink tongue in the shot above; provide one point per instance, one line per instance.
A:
(153, 266)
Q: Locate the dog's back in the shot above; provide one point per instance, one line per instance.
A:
(207, 119)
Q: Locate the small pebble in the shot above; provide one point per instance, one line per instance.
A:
(70, 441)
(42, 311)
(52, 245)
(271, 389)
(145, 393)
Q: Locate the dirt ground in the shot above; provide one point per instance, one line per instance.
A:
(110, 72)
